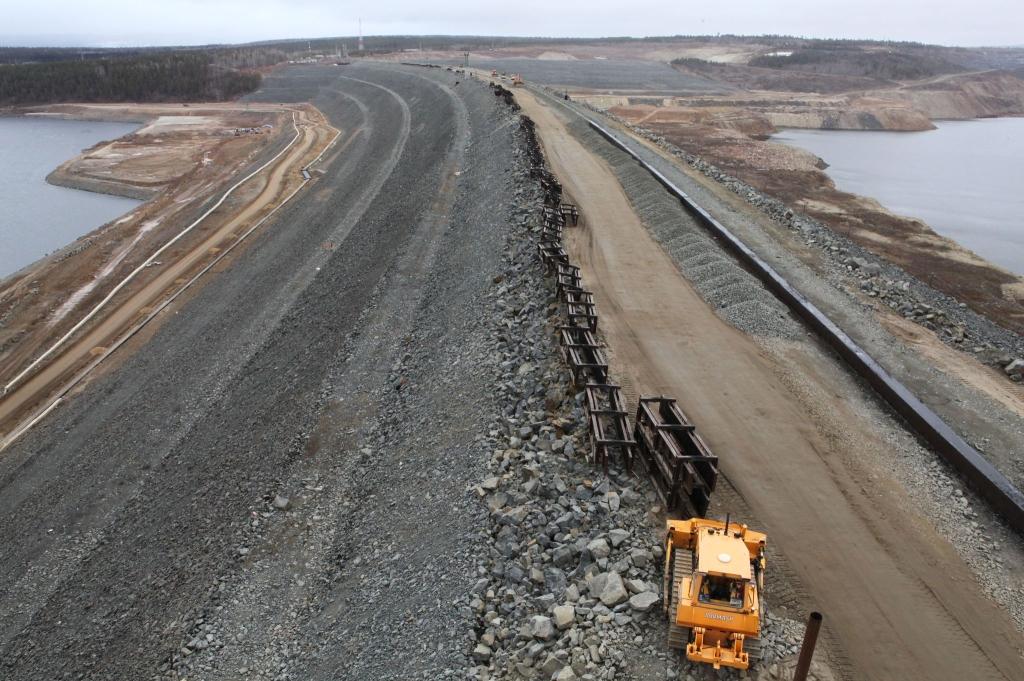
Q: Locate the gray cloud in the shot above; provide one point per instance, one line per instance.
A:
(131, 22)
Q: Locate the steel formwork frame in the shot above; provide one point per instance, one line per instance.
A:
(580, 309)
(609, 425)
(584, 356)
(679, 463)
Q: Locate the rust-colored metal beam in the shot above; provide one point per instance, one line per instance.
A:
(803, 663)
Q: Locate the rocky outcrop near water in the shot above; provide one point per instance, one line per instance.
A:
(62, 177)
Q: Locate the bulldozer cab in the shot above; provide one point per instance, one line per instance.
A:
(713, 578)
(721, 591)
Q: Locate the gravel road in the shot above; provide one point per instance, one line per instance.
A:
(240, 490)
(649, 78)
(981, 405)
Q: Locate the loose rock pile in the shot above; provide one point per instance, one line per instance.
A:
(572, 565)
(570, 579)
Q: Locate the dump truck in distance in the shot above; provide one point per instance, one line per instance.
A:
(714, 574)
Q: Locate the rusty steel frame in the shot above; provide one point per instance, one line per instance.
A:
(567, 279)
(570, 211)
(979, 473)
(552, 216)
(580, 309)
(551, 235)
(681, 466)
(552, 255)
(609, 425)
(583, 354)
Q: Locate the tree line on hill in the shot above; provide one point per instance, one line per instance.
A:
(159, 77)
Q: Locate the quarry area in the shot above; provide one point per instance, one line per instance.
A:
(413, 370)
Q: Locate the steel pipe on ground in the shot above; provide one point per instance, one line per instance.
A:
(803, 663)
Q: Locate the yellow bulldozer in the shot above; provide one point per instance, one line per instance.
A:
(714, 576)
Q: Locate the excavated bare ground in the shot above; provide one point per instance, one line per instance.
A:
(356, 380)
(35, 296)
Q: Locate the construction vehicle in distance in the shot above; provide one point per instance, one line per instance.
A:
(714, 577)
(517, 80)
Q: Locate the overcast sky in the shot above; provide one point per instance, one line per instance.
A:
(177, 22)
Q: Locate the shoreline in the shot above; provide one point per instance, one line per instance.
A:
(793, 177)
(878, 279)
(920, 210)
(159, 247)
(141, 114)
(61, 177)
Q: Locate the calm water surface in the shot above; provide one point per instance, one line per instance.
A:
(35, 217)
(965, 179)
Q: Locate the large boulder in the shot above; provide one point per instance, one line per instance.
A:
(599, 548)
(565, 616)
(618, 535)
(642, 602)
(566, 674)
(611, 591)
(541, 627)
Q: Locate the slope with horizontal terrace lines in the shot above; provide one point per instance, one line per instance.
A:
(123, 513)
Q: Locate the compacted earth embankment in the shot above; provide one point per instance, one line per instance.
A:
(355, 453)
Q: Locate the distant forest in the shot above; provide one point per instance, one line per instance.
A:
(141, 77)
(891, 64)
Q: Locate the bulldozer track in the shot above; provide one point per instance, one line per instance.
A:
(682, 565)
(752, 647)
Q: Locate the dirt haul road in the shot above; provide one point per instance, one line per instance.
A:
(899, 600)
